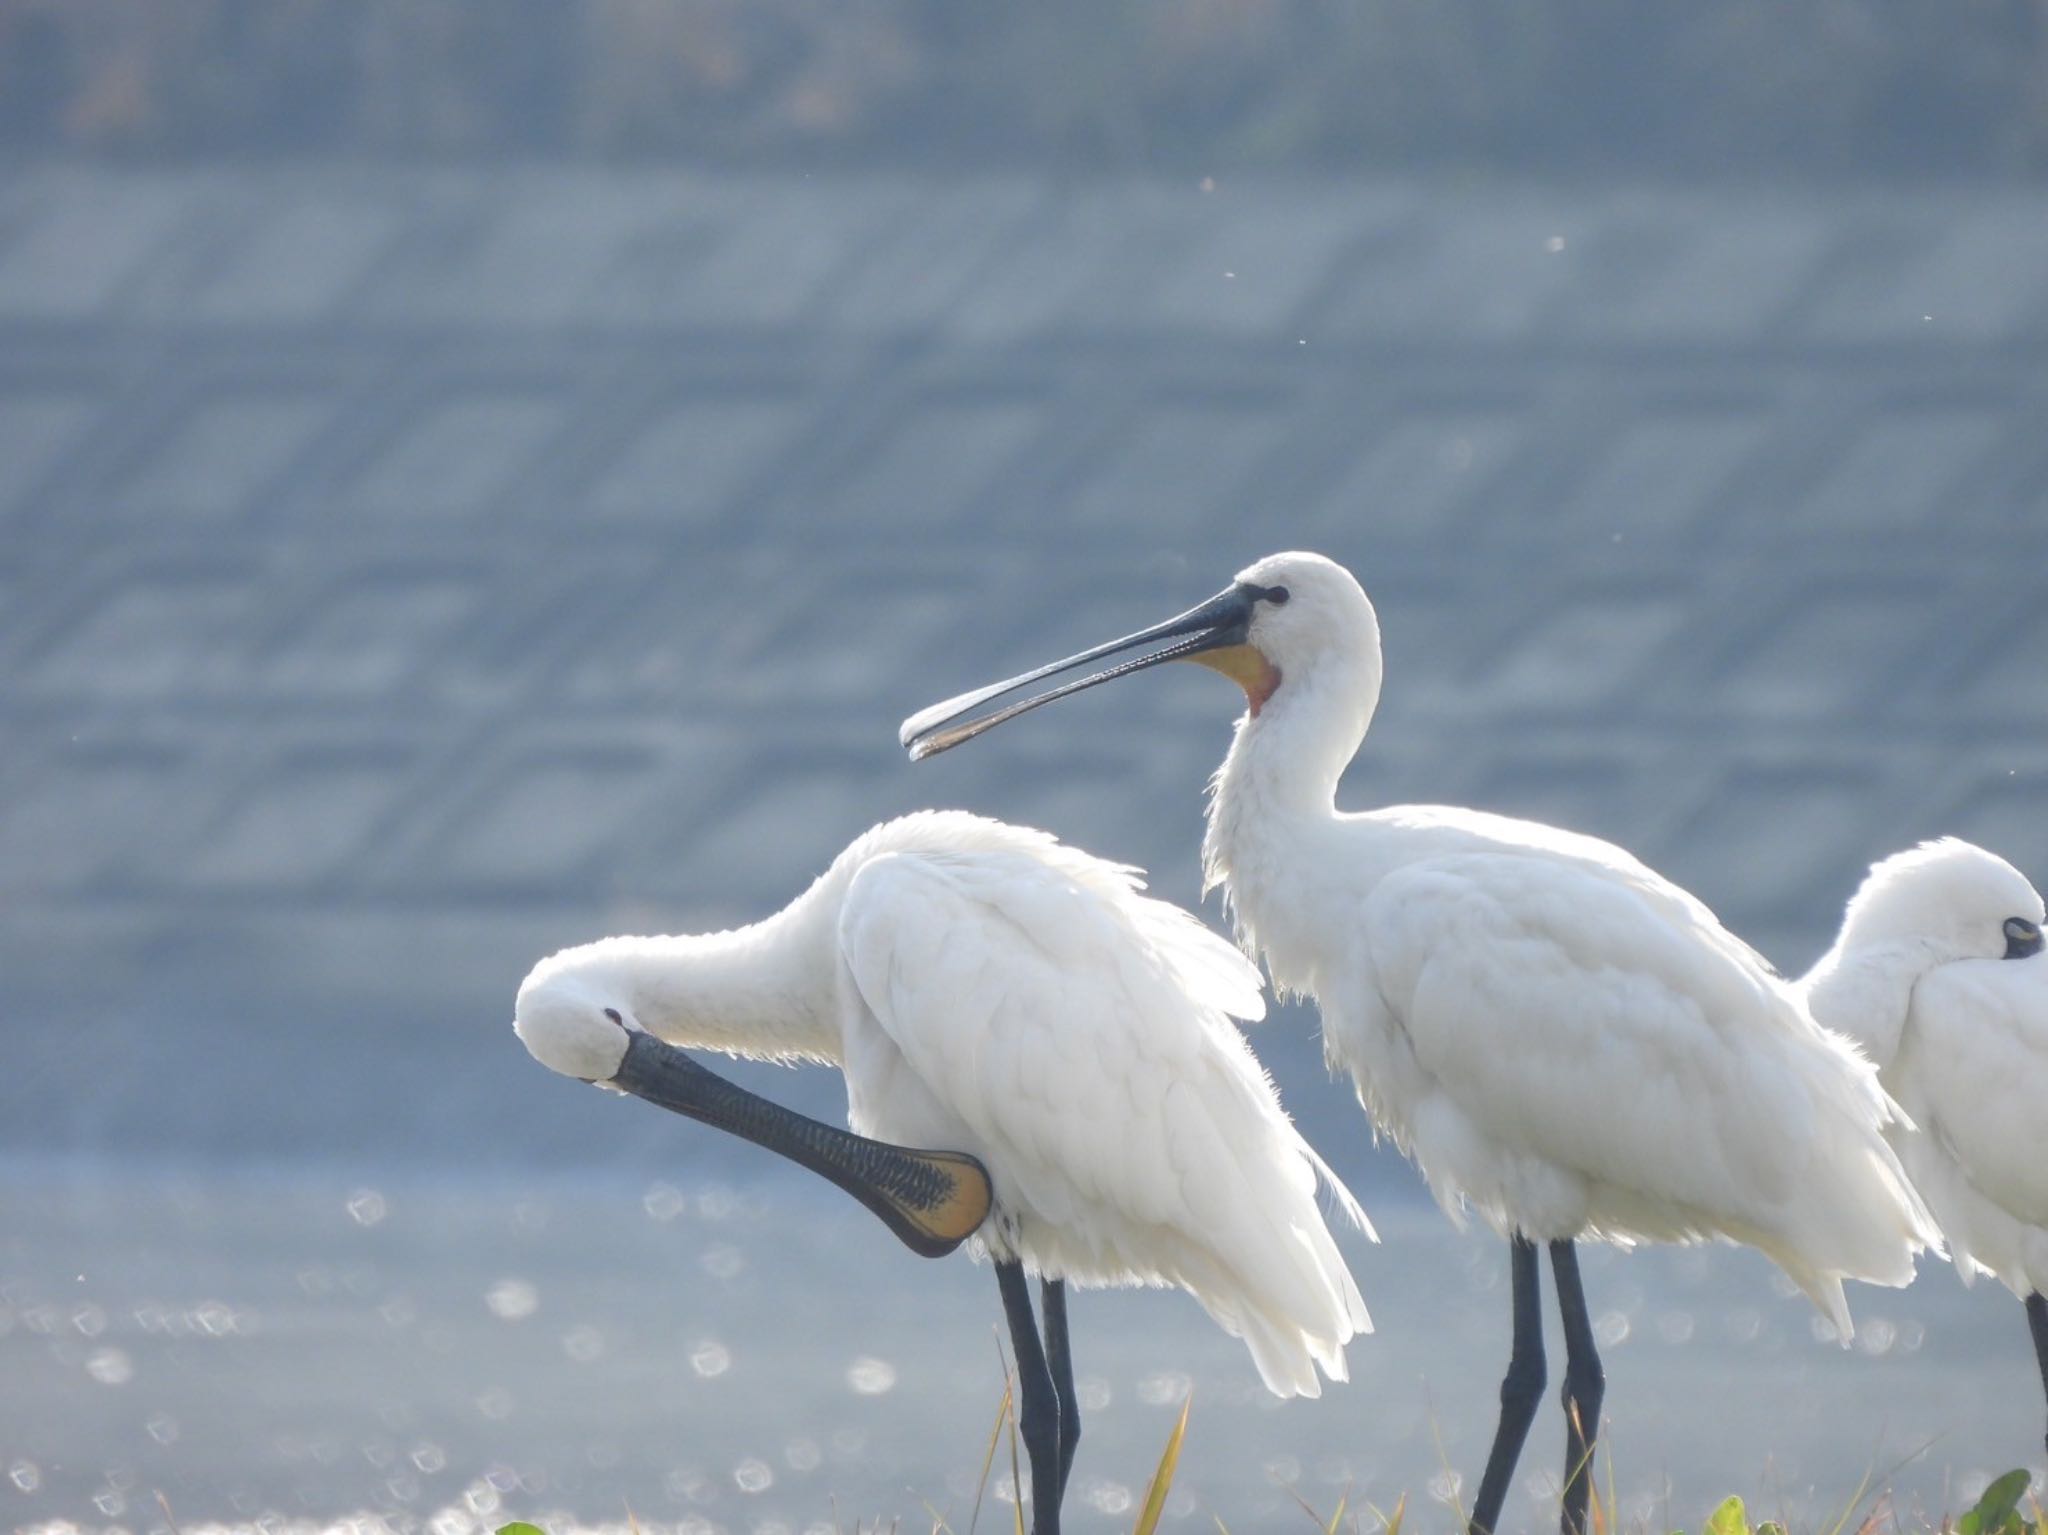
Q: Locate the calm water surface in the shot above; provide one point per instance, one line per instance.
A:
(301, 1351)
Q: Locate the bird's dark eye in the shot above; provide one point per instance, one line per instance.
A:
(2022, 938)
(613, 1014)
(1276, 595)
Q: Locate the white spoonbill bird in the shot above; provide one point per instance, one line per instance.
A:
(1919, 976)
(1561, 1039)
(986, 989)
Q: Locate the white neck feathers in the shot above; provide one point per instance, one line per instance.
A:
(1866, 991)
(1284, 762)
(766, 991)
(1277, 786)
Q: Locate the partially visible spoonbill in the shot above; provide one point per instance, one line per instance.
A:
(1920, 977)
(988, 990)
(1563, 1040)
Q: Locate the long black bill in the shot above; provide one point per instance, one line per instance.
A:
(1225, 619)
(932, 1200)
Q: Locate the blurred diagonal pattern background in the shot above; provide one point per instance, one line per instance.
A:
(1836, 88)
(474, 477)
(413, 570)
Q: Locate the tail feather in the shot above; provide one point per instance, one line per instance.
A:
(1280, 1350)
(1262, 1251)
(1298, 1276)
(1335, 1187)
(1862, 1218)
(1857, 1214)
(1824, 1290)
(1286, 1366)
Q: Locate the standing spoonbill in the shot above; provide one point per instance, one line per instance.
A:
(1919, 977)
(985, 988)
(1560, 1038)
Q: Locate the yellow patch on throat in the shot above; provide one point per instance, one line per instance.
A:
(1245, 665)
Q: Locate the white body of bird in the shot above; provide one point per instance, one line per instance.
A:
(987, 990)
(1573, 1047)
(1561, 1038)
(1938, 972)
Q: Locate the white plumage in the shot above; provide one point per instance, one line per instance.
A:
(1569, 1044)
(1921, 976)
(1561, 1039)
(988, 990)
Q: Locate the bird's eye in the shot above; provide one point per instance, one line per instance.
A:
(613, 1014)
(2022, 938)
(1276, 595)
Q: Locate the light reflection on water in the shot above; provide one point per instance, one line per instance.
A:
(299, 1354)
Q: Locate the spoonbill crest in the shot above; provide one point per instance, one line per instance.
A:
(1562, 1040)
(1919, 976)
(986, 989)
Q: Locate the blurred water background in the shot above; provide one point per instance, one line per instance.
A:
(473, 478)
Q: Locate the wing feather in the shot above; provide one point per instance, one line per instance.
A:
(1980, 1076)
(1575, 1017)
(1079, 1032)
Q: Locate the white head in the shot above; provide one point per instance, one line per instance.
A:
(1289, 624)
(1949, 898)
(568, 1024)
(1309, 618)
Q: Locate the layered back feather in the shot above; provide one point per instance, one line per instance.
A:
(1077, 1035)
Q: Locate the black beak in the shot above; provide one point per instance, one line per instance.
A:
(932, 1200)
(1224, 619)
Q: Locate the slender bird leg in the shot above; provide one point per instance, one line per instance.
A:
(2037, 1324)
(1038, 1407)
(1584, 1385)
(1052, 1299)
(1521, 1389)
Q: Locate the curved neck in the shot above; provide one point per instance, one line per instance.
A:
(766, 991)
(1866, 991)
(1284, 762)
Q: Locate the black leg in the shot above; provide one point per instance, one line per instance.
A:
(1052, 1299)
(1038, 1409)
(1584, 1385)
(1521, 1389)
(2037, 1324)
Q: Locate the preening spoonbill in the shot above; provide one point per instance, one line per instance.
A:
(1919, 976)
(986, 989)
(1561, 1039)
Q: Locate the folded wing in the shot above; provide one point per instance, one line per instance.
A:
(1081, 1033)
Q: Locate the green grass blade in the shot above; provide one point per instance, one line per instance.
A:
(1855, 1502)
(1731, 1518)
(1443, 1461)
(1305, 1506)
(1162, 1478)
(1016, 1472)
(988, 1459)
(2001, 1498)
(1613, 1510)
